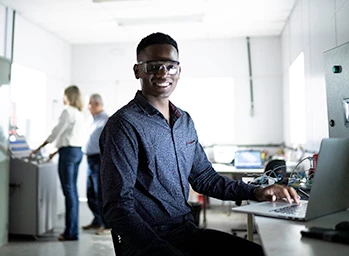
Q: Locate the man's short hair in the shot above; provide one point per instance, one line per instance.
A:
(97, 98)
(156, 38)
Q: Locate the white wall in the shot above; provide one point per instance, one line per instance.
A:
(2, 29)
(107, 69)
(314, 27)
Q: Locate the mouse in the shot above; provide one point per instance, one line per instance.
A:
(342, 226)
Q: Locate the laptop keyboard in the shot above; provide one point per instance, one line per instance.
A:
(294, 209)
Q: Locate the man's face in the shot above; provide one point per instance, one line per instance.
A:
(158, 70)
(93, 107)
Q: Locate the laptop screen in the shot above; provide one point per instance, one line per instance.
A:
(248, 159)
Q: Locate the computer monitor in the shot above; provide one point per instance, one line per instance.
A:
(336, 64)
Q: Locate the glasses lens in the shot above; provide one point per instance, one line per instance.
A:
(154, 67)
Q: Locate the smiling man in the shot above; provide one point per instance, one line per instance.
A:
(151, 155)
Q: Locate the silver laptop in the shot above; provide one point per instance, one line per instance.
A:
(329, 191)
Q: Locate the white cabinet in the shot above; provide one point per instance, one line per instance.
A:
(33, 197)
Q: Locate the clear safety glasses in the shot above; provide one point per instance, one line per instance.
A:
(155, 66)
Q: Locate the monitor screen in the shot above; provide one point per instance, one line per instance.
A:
(248, 159)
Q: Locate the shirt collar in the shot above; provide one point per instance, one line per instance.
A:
(174, 111)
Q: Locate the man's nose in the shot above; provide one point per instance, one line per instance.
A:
(163, 70)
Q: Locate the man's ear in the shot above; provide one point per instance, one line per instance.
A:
(136, 70)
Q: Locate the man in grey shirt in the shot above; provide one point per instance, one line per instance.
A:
(92, 151)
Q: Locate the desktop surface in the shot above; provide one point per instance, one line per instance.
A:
(283, 237)
(226, 168)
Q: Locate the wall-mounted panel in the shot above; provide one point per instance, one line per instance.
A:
(337, 90)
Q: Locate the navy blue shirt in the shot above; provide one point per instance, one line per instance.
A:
(147, 166)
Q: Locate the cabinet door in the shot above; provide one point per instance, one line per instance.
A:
(5, 68)
(47, 197)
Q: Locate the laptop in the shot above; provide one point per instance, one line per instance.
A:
(329, 191)
(248, 159)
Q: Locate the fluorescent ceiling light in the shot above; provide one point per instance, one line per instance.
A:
(101, 1)
(159, 20)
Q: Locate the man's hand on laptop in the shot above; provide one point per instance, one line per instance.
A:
(276, 192)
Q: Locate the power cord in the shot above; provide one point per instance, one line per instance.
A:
(301, 180)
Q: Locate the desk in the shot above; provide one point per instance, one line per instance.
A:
(283, 237)
(235, 173)
(230, 169)
(239, 174)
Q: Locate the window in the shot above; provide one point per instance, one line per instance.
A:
(297, 101)
(28, 96)
(210, 102)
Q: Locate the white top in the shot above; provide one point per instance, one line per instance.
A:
(70, 129)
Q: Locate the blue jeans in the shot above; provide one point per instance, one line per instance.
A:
(68, 168)
(94, 195)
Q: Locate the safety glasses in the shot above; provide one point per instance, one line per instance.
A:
(155, 66)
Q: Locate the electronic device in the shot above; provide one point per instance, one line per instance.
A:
(248, 159)
(342, 226)
(336, 235)
(328, 193)
(336, 65)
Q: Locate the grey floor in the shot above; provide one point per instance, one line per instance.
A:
(218, 216)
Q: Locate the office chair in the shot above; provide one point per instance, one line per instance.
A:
(116, 242)
(276, 168)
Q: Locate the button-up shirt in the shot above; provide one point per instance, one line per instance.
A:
(69, 131)
(148, 166)
(96, 127)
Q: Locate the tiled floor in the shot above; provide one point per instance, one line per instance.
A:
(218, 216)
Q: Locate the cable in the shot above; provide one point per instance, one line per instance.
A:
(300, 179)
(296, 179)
(267, 175)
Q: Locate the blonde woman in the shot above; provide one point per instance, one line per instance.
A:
(68, 136)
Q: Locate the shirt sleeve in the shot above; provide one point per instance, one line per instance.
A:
(205, 180)
(60, 126)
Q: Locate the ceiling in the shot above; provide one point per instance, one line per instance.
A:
(104, 21)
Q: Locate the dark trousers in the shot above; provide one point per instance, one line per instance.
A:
(68, 168)
(94, 193)
(200, 242)
(190, 240)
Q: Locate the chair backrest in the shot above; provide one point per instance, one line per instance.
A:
(116, 242)
(276, 168)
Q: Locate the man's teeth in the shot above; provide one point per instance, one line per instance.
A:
(163, 84)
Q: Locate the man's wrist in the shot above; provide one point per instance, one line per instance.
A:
(257, 192)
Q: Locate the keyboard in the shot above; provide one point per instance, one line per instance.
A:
(294, 209)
